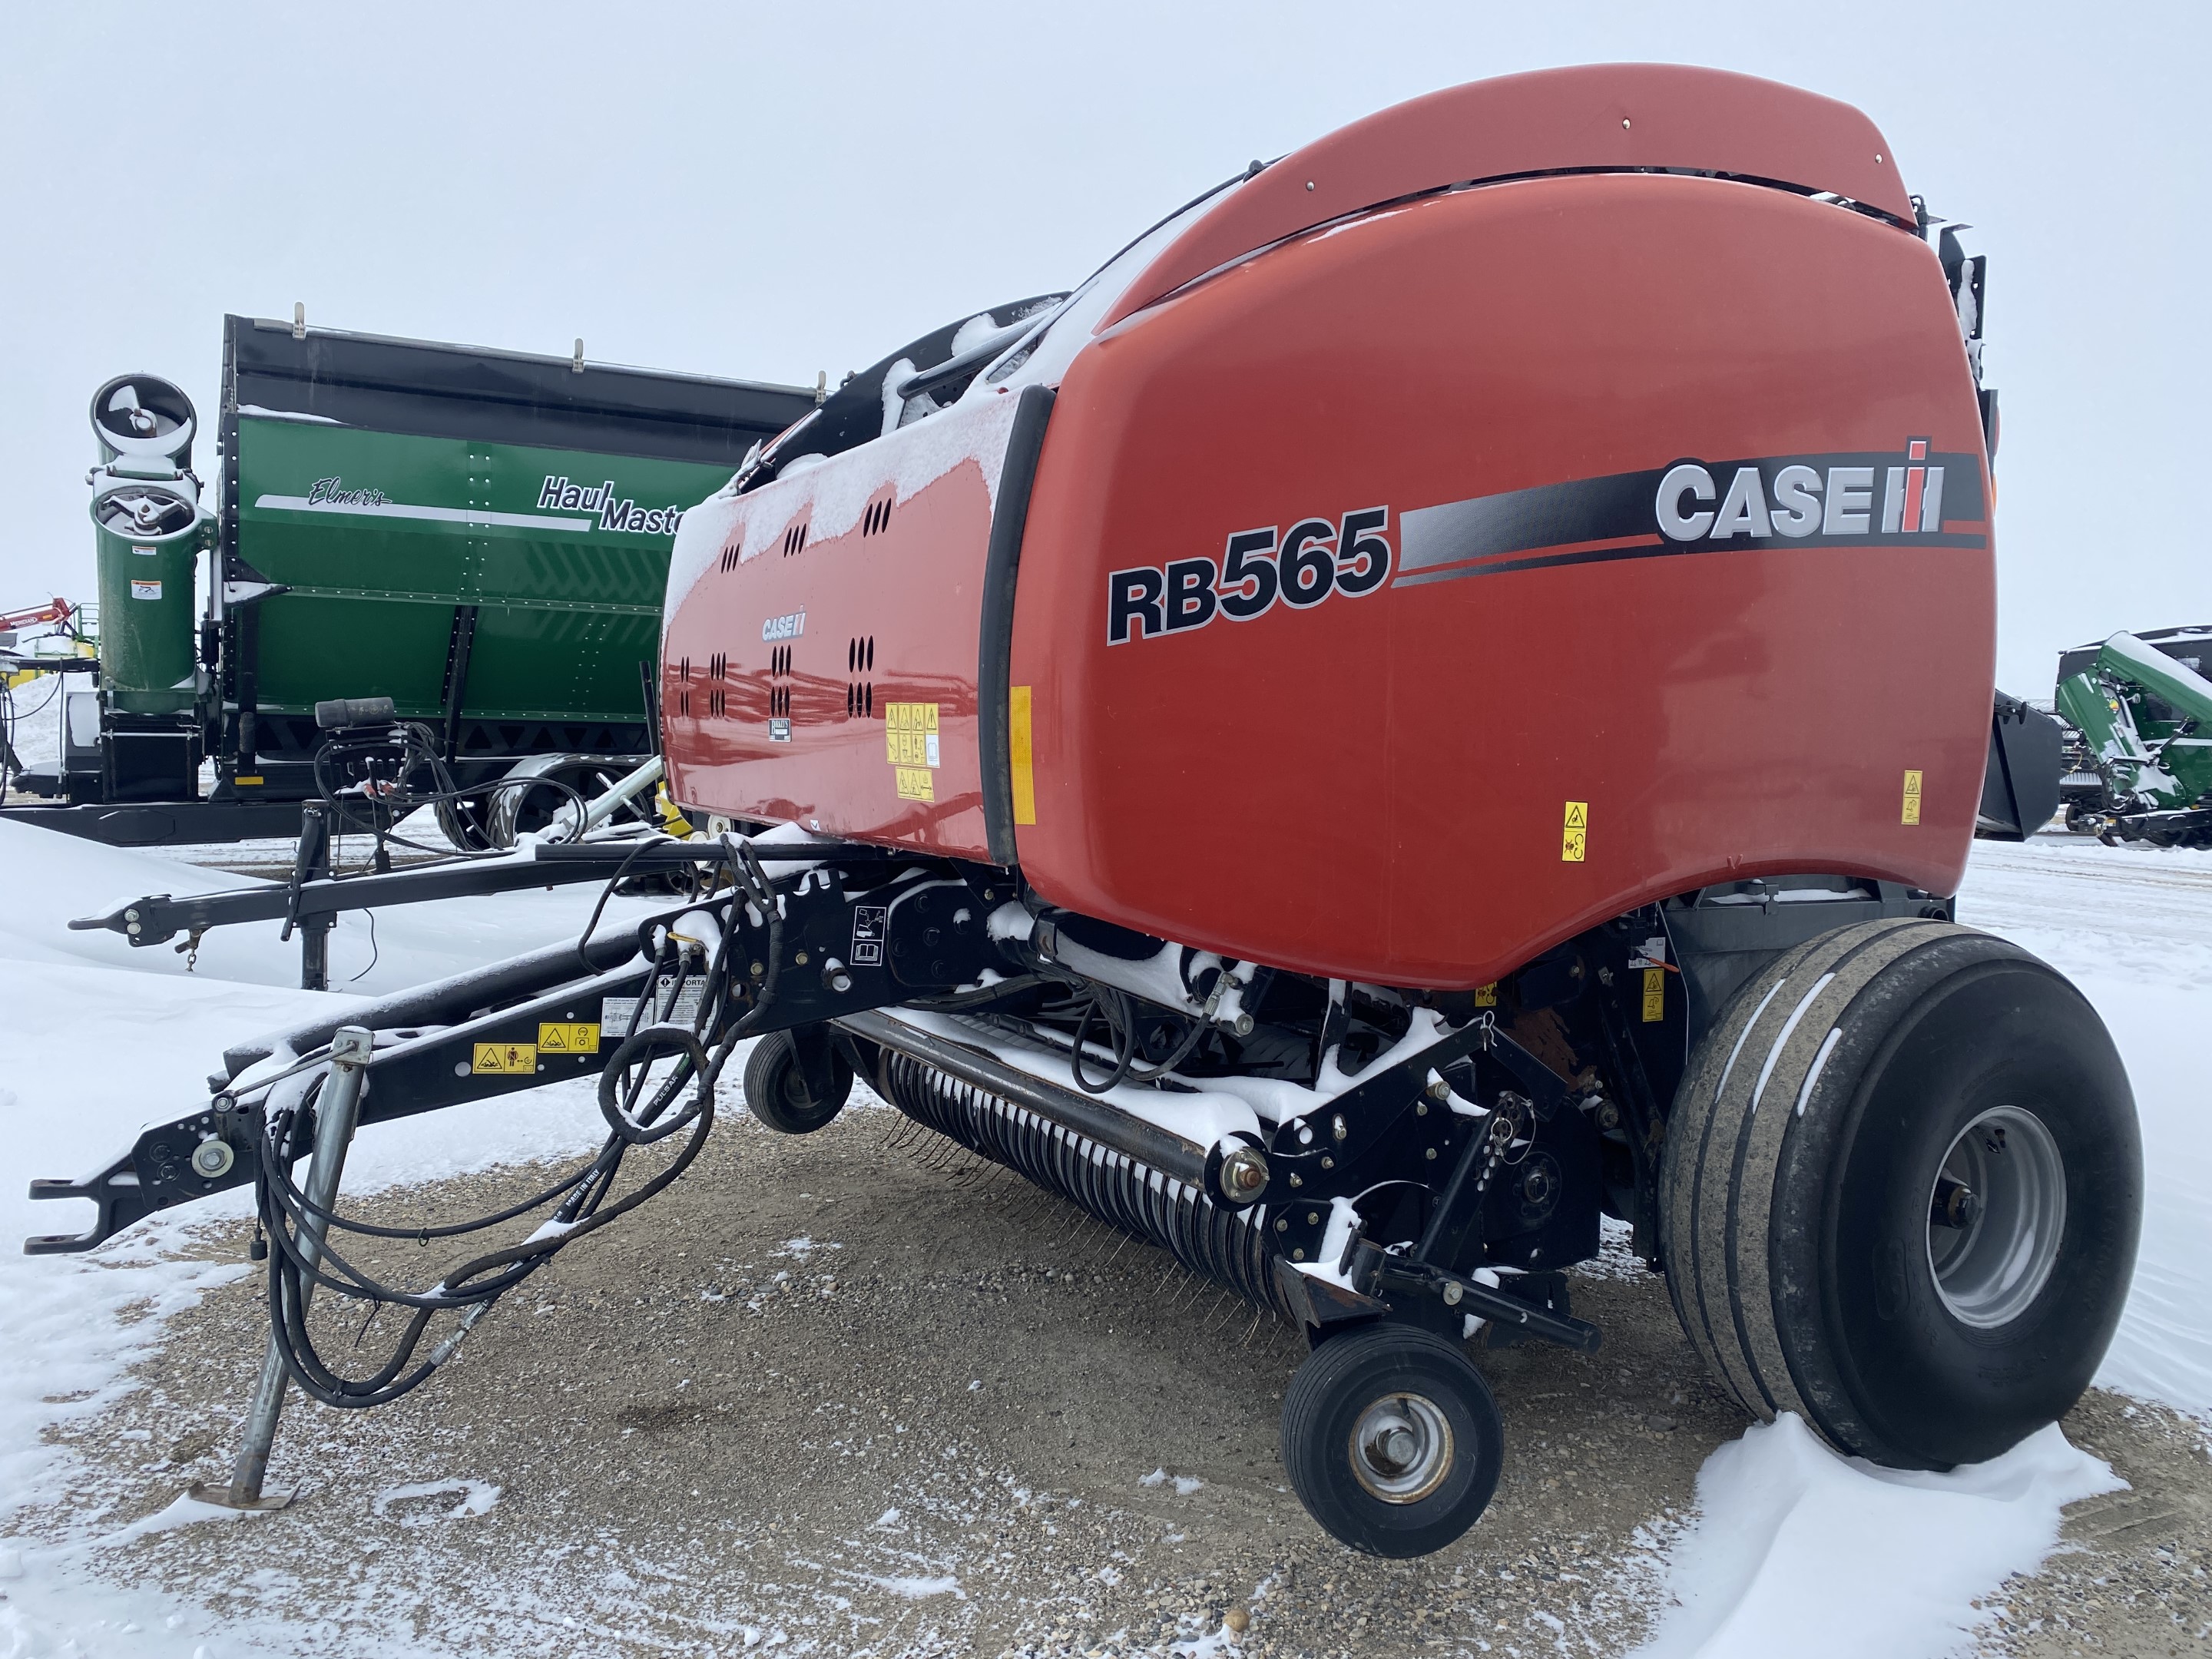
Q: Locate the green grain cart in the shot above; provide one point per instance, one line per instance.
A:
(481, 535)
(2139, 707)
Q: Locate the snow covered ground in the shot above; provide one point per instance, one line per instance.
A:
(1793, 1549)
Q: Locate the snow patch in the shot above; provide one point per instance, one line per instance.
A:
(473, 1497)
(1799, 1550)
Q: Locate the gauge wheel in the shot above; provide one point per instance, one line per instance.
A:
(1391, 1440)
(1901, 1191)
(776, 1092)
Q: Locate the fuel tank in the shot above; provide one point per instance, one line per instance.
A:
(1547, 496)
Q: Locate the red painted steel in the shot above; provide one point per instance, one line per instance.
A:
(1594, 115)
(1375, 788)
(909, 592)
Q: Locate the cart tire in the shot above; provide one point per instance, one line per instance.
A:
(776, 1092)
(1391, 1440)
(463, 823)
(1900, 1193)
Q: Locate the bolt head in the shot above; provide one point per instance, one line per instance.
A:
(212, 1158)
(1452, 1295)
(799, 956)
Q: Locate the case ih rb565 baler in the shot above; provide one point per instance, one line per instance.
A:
(1440, 697)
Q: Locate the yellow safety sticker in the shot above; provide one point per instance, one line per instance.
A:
(911, 746)
(1485, 996)
(1911, 813)
(1574, 839)
(242, 778)
(505, 1058)
(1018, 753)
(568, 1037)
(1654, 995)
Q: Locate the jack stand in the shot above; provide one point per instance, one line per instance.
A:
(337, 1106)
(311, 861)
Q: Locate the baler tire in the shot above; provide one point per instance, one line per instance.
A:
(1824, 1117)
(775, 1091)
(1366, 1370)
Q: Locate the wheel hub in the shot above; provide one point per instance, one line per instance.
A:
(1995, 1216)
(1402, 1448)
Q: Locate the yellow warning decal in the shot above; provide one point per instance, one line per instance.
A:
(505, 1058)
(568, 1037)
(1017, 754)
(1485, 996)
(1574, 839)
(1911, 813)
(910, 733)
(243, 779)
(914, 783)
(1654, 995)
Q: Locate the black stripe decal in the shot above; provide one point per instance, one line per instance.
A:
(1445, 542)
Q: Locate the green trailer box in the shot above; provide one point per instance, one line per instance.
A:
(481, 535)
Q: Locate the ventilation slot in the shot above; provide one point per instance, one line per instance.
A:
(730, 557)
(779, 696)
(795, 539)
(859, 658)
(877, 518)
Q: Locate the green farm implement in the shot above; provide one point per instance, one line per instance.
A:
(2140, 753)
(481, 536)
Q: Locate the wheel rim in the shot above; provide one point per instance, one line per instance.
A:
(1402, 1448)
(1995, 1216)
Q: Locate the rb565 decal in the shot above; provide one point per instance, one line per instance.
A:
(1258, 569)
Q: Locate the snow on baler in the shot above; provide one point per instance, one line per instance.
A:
(1439, 696)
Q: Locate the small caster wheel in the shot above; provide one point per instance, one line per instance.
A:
(776, 1090)
(1391, 1440)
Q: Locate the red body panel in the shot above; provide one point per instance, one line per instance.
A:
(890, 560)
(1596, 115)
(1375, 788)
(1378, 786)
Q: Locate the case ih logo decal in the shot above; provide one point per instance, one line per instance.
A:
(1258, 569)
(1915, 495)
(559, 494)
(786, 627)
(1801, 501)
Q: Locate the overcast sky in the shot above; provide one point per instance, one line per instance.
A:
(768, 191)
